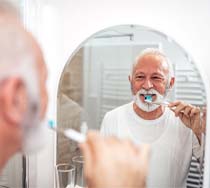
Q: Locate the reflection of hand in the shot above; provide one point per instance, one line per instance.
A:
(110, 162)
(203, 120)
(189, 114)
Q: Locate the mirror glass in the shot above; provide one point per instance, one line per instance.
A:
(95, 81)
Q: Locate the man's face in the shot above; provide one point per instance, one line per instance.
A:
(151, 72)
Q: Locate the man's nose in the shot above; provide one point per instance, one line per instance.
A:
(147, 84)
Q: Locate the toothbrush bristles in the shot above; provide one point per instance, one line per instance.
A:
(69, 133)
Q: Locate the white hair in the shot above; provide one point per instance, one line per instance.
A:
(7, 7)
(158, 52)
(17, 57)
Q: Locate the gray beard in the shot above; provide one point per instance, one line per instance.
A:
(145, 106)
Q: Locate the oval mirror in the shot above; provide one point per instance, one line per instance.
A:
(95, 81)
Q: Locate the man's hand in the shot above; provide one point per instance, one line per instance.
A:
(114, 163)
(190, 116)
(203, 120)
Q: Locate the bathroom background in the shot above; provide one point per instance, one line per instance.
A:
(61, 26)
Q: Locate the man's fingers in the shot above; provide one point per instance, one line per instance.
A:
(194, 111)
(174, 104)
(187, 111)
(179, 108)
(90, 149)
(144, 152)
(143, 158)
(133, 148)
(112, 140)
(95, 141)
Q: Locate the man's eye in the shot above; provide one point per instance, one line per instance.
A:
(139, 77)
(157, 78)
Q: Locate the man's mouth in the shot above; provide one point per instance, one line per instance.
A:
(148, 97)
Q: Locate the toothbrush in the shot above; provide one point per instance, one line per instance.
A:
(148, 99)
(164, 103)
(69, 133)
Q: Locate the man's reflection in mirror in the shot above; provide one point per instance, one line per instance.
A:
(173, 128)
(203, 120)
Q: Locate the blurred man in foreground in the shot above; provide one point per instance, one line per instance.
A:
(23, 100)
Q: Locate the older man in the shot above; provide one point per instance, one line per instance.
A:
(23, 100)
(173, 130)
(23, 95)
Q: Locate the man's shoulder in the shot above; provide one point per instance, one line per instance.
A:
(110, 123)
(119, 109)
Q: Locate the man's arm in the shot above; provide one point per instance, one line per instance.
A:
(190, 115)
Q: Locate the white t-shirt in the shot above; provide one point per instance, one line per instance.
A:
(172, 143)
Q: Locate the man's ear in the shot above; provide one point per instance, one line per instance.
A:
(129, 78)
(172, 81)
(131, 85)
(13, 99)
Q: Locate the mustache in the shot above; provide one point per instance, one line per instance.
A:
(146, 92)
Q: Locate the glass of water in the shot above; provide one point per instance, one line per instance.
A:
(65, 175)
(78, 162)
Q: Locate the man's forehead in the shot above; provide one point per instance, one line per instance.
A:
(153, 60)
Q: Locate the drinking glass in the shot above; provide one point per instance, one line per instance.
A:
(65, 175)
(78, 162)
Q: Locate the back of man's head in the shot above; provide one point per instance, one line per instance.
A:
(19, 82)
(8, 9)
(17, 57)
